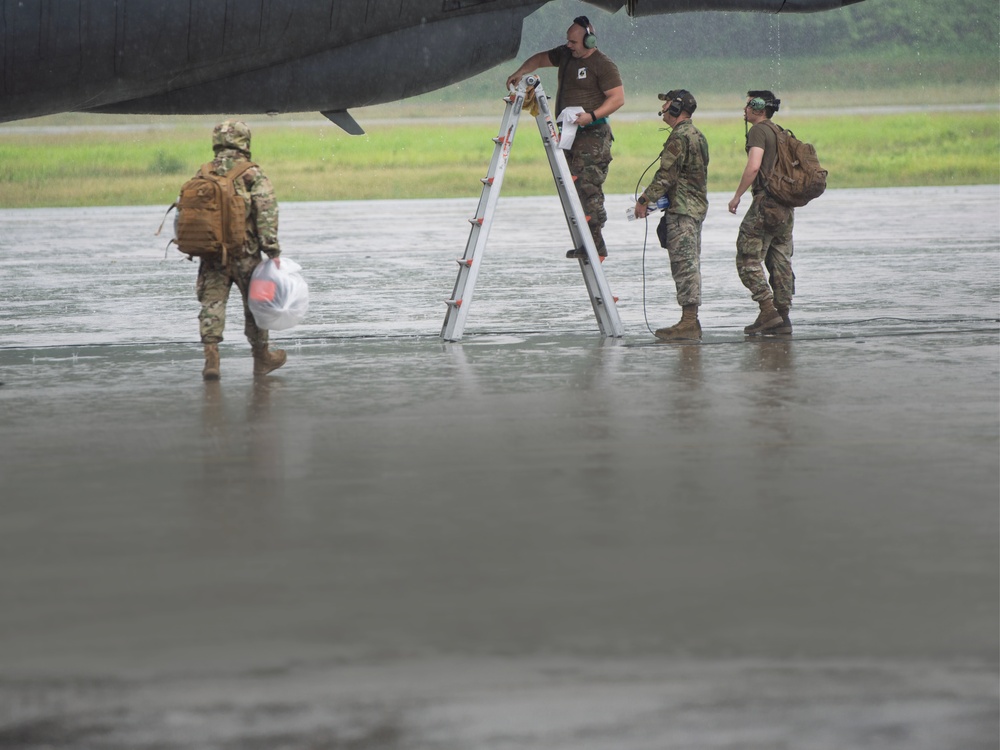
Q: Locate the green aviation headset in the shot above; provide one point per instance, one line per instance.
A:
(589, 39)
(757, 104)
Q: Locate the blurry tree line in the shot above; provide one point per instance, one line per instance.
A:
(953, 27)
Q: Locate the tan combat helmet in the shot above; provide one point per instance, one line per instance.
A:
(232, 134)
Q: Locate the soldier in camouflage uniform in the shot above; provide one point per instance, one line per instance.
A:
(231, 143)
(588, 79)
(765, 238)
(683, 178)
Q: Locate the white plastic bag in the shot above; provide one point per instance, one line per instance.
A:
(279, 296)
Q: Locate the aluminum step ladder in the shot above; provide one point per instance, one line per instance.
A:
(601, 298)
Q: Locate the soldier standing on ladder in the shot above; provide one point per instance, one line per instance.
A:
(590, 80)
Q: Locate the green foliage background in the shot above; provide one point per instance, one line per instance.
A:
(318, 162)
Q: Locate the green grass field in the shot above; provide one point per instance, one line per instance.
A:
(315, 161)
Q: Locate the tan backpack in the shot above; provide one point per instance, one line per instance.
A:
(211, 215)
(797, 176)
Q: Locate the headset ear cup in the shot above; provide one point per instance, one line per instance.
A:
(589, 41)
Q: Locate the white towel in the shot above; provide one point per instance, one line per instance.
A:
(568, 119)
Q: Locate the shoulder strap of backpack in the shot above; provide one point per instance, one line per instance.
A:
(775, 128)
(237, 170)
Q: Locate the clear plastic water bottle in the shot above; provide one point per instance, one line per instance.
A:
(661, 205)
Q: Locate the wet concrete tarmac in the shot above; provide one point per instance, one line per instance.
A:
(537, 538)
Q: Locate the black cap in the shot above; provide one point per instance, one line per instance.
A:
(683, 96)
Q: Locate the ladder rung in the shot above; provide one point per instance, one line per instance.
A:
(487, 181)
(453, 302)
(467, 262)
(478, 222)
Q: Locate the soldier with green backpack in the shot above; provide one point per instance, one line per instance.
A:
(784, 173)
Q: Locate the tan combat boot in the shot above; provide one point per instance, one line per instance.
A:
(688, 329)
(265, 361)
(767, 319)
(211, 371)
(785, 329)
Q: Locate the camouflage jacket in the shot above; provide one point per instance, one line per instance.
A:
(683, 173)
(262, 206)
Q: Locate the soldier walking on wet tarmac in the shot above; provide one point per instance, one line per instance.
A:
(765, 237)
(683, 179)
(590, 80)
(216, 274)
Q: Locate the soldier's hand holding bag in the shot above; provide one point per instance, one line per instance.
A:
(279, 296)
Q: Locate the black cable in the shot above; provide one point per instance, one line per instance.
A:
(645, 237)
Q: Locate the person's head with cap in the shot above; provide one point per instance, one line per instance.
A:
(680, 105)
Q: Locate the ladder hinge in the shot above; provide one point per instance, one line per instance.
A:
(467, 262)
(454, 302)
(486, 181)
(478, 222)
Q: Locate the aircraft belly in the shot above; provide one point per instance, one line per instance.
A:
(65, 55)
(381, 69)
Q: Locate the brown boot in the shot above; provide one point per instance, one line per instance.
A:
(688, 329)
(211, 371)
(265, 361)
(766, 320)
(785, 329)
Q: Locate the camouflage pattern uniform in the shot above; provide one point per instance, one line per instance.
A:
(589, 159)
(231, 141)
(765, 237)
(683, 178)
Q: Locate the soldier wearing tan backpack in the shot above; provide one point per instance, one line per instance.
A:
(227, 216)
(784, 173)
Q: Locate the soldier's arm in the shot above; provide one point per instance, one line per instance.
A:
(264, 207)
(614, 99)
(754, 158)
(537, 60)
(666, 176)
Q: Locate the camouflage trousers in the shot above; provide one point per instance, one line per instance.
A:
(765, 241)
(681, 236)
(589, 160)
(213, 286)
